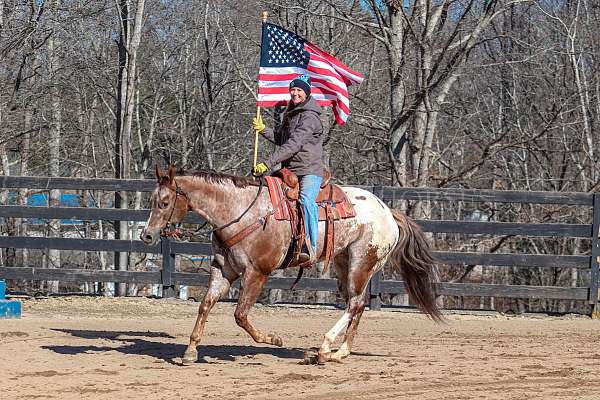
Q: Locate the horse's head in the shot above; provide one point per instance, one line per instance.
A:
(168, 205)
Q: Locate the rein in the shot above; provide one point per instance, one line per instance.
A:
(179, 233)
(235, 221)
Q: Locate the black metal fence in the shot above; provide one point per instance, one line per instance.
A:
(168, 276)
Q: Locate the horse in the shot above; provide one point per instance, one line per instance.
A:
(362, 245)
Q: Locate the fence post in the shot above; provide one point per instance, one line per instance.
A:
(375, 291)
(168, 267)
(375, 282)
(594, 258)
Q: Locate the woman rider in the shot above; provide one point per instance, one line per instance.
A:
(300, 149)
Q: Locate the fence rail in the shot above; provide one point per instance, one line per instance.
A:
(168, 277)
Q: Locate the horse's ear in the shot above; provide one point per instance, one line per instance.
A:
(171, 173)
(158, 172)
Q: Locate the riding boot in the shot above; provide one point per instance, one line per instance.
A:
(307, 254)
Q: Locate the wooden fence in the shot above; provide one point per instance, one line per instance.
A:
(169, 249)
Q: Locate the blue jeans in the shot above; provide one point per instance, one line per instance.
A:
(309, 189)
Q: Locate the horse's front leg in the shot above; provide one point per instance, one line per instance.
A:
(218, 286)
(253, 282)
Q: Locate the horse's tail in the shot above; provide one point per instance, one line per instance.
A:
(412, 256)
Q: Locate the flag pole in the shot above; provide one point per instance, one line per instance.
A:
(264, 17)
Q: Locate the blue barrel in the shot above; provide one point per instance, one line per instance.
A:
(8, 308)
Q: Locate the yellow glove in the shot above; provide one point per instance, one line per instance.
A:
(260, 169)
(258, 124)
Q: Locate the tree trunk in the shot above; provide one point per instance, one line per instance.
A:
(24, 193)
(395, 52)
(54, 145)
(129, 41)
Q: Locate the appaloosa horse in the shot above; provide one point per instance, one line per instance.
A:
(362, 246)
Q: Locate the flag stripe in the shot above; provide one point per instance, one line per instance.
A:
(338, 114)
(281, 98)
(316, 88)
(321, 83)
(272, 74)
(317, 81)
(327, 69)
(323, 65)
(325, 74)
(283, 93)
(283, 70)
(267, 96)
(354, 76)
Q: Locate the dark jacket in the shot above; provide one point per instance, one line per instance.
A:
(299, 140)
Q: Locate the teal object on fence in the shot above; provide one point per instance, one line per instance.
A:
(8, 308)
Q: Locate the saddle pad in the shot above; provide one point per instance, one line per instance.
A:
(278, 198)
(340, 210)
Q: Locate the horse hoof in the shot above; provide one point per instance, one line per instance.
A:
(322, 358)
(310, 358)
(189, 358)
(275, 340)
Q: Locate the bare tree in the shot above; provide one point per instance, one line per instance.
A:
(130, 32)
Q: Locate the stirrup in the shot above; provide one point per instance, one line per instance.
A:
(307, 254)
(303, 258)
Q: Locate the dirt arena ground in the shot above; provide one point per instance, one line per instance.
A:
(97, 348)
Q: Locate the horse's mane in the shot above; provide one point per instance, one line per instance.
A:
(221, 178)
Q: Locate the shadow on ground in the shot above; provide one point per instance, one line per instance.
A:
(135, 343)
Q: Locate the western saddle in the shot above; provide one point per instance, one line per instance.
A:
(333, 205)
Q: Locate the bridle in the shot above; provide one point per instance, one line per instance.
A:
(178, 192)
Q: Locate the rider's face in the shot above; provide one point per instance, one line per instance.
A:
(297, 95)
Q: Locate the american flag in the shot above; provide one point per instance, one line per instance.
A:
(285, 55)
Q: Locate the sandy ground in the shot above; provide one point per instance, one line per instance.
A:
(96, 348)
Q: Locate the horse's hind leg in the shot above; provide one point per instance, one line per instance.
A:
(341, 269)
(221, 278)
(358, 275)
(356, 306)
(253, 282)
